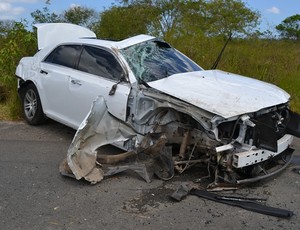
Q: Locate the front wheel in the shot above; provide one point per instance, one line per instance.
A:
(32, 107)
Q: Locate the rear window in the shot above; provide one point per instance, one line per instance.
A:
(64, 55)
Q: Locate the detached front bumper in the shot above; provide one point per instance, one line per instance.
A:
(255, 156)
(264, 163)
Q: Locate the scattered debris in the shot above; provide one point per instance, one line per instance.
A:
(181, 192)
(296, 170)
(248, 204)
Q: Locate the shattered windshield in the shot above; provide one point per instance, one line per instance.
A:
(154, 60)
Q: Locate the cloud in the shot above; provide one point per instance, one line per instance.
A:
(273, 10)
(4, 6)
(73, 5)
(9, 9)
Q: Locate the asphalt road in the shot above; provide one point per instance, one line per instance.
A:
(33, 195)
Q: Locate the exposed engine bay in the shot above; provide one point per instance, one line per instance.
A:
(168, 136)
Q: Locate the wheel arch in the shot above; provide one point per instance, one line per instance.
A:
(22, 84)
(22, 90)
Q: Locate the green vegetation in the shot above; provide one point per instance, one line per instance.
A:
(15, 44)
(274, 61)
(290, 27)
(197, 28)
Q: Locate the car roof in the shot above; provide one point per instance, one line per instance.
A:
(116, 44)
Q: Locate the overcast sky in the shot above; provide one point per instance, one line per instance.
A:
(272, 11)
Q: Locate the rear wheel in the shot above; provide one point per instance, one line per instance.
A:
(32, 107)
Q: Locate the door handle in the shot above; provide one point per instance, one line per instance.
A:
(43, 72)
(76, 82)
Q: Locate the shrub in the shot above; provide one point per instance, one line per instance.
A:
(17, 43)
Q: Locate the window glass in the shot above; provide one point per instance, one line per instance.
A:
(154, 60)
(99, 62)
(64, 55)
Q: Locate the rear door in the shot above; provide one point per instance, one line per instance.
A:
(55, 74)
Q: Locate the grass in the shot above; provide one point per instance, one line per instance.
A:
(272, 61)
(11, 109)
(4, 112)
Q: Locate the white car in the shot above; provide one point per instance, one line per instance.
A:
(241, 127)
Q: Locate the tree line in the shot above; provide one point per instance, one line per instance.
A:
(165, 18)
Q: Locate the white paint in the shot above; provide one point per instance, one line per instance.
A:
(54, 33)
(256, 156)
(222, 93)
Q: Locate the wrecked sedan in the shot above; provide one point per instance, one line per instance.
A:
(241, 128)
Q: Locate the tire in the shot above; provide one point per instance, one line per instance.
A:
(32, 106)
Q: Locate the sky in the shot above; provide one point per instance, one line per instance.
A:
(273, 12)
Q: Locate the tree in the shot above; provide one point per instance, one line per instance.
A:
(5, 26)
(166, 16)
(18, 43)
(45, 16)
(79, 15)
(209, 17)
(170, 17)
(290, 27)
(125, 21)
(230, 17)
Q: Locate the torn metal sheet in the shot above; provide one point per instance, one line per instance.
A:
(153, 155)
(101, 128)
(98, 129)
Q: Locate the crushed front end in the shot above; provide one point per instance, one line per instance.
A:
(237, 150)
(164, 135)
(255, 146)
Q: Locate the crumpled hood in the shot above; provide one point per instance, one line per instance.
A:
(221, 93)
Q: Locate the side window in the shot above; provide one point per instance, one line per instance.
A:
(99, 62)
(64, 55)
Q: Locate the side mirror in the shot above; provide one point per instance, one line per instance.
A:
(114, 87)
(112, 91)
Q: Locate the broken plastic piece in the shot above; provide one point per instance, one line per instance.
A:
(248, 205)
(181, 192)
